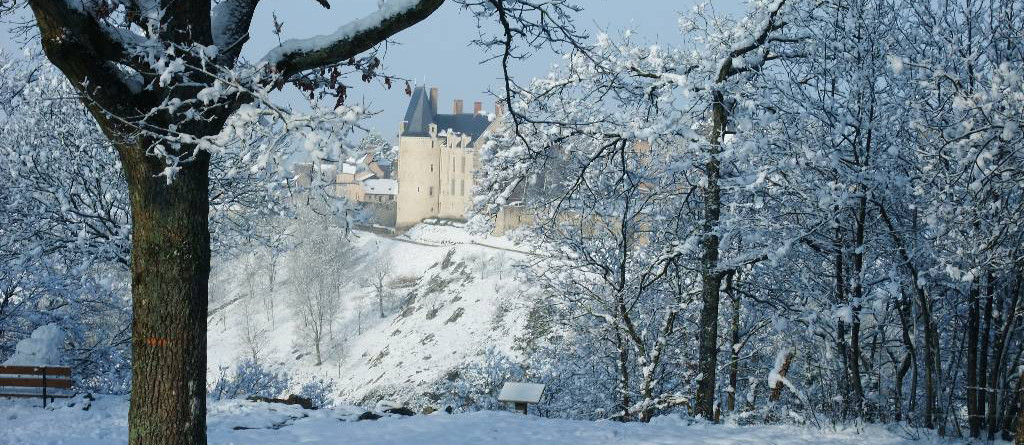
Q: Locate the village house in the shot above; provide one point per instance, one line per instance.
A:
(366, 180)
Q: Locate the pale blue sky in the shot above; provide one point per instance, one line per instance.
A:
(438, 52)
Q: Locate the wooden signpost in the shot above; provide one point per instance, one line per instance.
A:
(521, 394)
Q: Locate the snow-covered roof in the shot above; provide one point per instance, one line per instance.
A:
(421, 114)
(381, 186)
(521, 392)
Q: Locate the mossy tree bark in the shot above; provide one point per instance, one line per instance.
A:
(170, 271)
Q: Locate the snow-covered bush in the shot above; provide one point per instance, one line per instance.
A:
(579, 384)
(250, 378)
(476, 385)
(320, 391)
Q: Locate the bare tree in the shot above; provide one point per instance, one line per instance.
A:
(254, 333)
(379, 276)
(318, 274)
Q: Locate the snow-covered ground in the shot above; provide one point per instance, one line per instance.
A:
(240, 422)
(453, 233)
(452, 296)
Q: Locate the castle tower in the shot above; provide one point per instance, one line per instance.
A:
(437, 155)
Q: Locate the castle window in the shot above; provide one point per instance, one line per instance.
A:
(453, 186)
(431, 191)
(463, 163)
(462, 187)
(431, 167)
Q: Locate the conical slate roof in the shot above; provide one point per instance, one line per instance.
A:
(420, 115)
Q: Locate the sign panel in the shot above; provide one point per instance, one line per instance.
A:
(521, 392)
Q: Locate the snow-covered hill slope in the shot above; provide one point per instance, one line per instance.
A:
(452, 296)
(242, 423)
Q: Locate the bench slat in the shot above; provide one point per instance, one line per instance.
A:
(37, 370)
(39, 395)
(35, 383)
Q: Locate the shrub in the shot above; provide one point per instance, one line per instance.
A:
(320, 391)
(249, 379)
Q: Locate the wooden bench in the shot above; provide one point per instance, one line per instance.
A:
(22, 381)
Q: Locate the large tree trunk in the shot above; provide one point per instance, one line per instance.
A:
(782, 371)
(1019, 435)
(734, 358)
(622, 366)
(711, 277)
(839, 267)
(858, 291)
(932, 364)
(983, 349)
(170, 270)
(1000, 357)
(1015, 413)
(973, 419)
(905, 307)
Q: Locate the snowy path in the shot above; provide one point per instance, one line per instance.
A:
(105, 423)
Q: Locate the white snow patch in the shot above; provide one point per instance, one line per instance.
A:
(106, 423)
(43, 347)
(452, 302)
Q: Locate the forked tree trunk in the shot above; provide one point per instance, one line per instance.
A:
(170, 271)
(1000, 355)
(839, 267)
(932, 365)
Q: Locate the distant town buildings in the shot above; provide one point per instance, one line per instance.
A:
(433, 175)
(366, 180)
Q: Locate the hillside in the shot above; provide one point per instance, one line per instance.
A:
(451, 297)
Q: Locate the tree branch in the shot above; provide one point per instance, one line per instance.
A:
(297, 55)
(82, 49)
(230, 23)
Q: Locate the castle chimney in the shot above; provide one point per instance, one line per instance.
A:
(433, 99)
(401, 127)
(457, 107)
(499, 109)
(478, 107)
